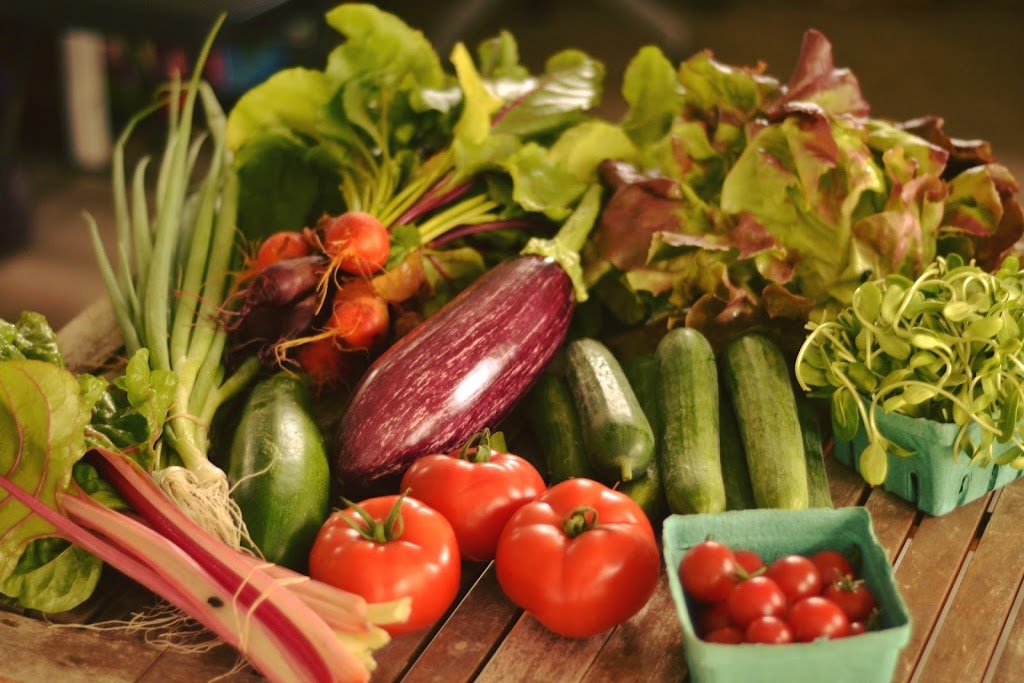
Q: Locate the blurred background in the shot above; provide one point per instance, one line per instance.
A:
(73, 71)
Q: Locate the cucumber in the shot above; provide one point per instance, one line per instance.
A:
(647, 490)
(617, 436)
(553, 421)
(689, 453)
(278, 469)
(739, 493)
(818, 493)
(762, 395)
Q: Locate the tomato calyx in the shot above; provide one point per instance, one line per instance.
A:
(478, 448)
(579, 520)
(373, 529)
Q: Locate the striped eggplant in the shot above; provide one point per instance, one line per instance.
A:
(461, 370)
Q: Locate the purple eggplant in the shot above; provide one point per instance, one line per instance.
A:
(461, 370)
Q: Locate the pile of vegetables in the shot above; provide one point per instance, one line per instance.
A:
(418, 250)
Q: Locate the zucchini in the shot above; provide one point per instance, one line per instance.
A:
(689, 451)
(278, 469)
(762, 395)
(739, 493)
(617, 436)
(818, 493)
(553, 421)
(647, 490)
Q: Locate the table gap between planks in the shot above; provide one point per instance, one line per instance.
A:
(960, 574)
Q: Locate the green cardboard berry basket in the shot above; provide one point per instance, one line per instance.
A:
(864, 658)
(932, 479)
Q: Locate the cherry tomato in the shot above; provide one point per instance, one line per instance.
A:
(581, 558)
(832, 565)
(815, 617)
(712, 617)
(796, 576)
(853, 597)
(395, 547)
(748, 560)
(771, 630)
(708, 571)
(857, 627)
(729, 635)
(477, 489)
(755, 597)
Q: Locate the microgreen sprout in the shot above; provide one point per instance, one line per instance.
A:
(942, 347)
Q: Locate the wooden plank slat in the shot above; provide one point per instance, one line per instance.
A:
(32, 650)
(649, 645)
(468, 637)
(530, 652)
(847, 487)
(222, 664)
(893, 520)
(394, 658)
(967, 638)
(924, 582)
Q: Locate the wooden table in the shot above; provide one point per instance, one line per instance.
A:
(960, 574)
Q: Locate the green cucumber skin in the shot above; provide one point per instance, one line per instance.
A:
(690, 459)
(647, 491)
(617, 436)
(819, 495)
(765, 403)
(279, 470)
(552, 417)
(739, 492)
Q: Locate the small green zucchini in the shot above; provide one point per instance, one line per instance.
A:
(762, 395)
(616, 433)
(278, 470)
(689, 452)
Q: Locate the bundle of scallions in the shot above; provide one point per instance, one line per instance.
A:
(172, 277)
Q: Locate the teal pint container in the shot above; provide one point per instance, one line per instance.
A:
(932, 479)
(865, 658)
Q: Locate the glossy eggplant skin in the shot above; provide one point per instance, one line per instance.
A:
(460, 370)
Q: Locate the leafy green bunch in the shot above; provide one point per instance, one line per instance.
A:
(750, 200)
(945, 346)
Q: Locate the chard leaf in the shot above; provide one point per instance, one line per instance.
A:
(570, 85)
(582, 148)
(52, 576)
(540, 183)
(30, 337)
(291, 99)
(42, 426)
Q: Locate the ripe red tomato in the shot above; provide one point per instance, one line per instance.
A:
(712, 617)
(708, 571)
(853, 597)
(384, 558)
(748, 560)
(477, 490)
(815, 617)
(729, 635)
(771, 630)
(755, 597)
(581, 558)
(796, 575)
(832, 565)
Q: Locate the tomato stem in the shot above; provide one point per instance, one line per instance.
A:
(483, 450)
(579, 520)
(373, 529)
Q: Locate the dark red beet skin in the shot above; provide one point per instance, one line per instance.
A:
(461, 370)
